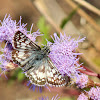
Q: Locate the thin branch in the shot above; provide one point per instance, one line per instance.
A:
(84, 14)
(88, 6)
(88, 73)
(43, 12)
(97, 84)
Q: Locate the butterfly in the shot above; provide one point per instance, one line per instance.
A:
(34, 61)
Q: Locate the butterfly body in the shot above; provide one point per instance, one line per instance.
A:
(35, 62)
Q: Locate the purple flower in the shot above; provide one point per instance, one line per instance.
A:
(7, 30)
(82, 80)
(82, 97)
(9, 27)
(43, 98)
(5, 58)
(63, 54)
(38, 88)
(55, 98)
(33, 87)
(94, 93)
(47, 98)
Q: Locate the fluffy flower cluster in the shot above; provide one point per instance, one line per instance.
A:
(94, 93)
(62, 50)
(8, 27)
(63, 54)
(5, 57)
(82, 80)
(82, 97)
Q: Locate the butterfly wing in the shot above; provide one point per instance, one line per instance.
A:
(23, 58)
(45, 73)
(37, 74)
(25, 50)
(40, 72)
(54, 78)
(22, 42)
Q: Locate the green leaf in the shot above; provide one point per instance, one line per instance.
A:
(65, 20)
(20, 76)
(44, 28)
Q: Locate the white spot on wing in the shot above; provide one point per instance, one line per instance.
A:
(22, 36)
(27, 42)
(23, 44)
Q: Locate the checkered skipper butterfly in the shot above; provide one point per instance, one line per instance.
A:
(35, 62)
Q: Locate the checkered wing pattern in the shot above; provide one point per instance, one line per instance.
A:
(40, 71)
(54, 78)
(21, 57)
(22, 42)
(37, 74)
(24, 48)
(46, 73)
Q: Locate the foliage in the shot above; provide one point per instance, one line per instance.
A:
(44, 28)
